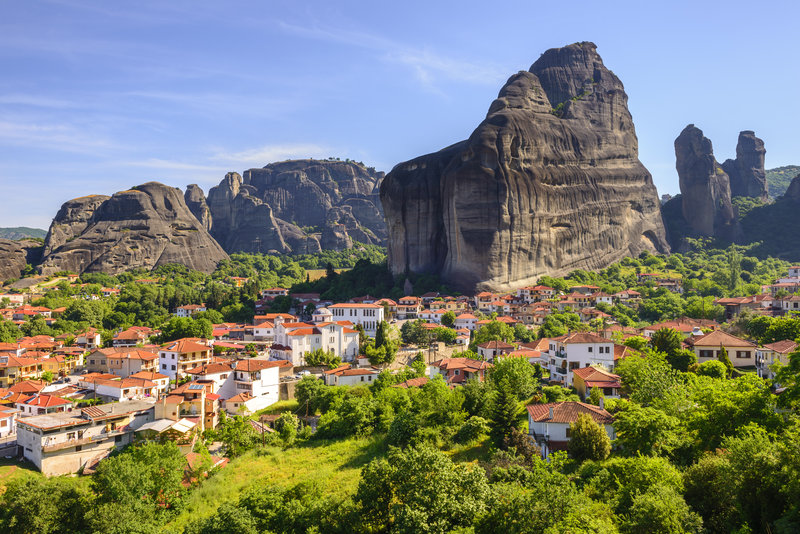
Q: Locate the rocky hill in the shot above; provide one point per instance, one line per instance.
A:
(549, 182)
(779, 178)
(22, 232)
(297, 206)
(146, 226)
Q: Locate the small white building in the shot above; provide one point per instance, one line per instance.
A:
(190, 309)
(466, 320)
(350, 376)
(548, 424)
(294, 340)
(176, 357)
(322, 315)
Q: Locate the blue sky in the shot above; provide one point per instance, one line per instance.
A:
(96, 97)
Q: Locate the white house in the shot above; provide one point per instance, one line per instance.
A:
(294, 340)
(190, 309)
(548, 424)
(256, 378)
(322, 315)
(176, 357)
(580, 349)
(367, 315)
(466, 320)
(8, 421)
(264, 331)
(349, 376)
(768, 355)
(63, 443)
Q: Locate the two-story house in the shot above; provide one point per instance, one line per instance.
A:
(577, 350)
(176, 357)
(771, 354)
(459, 370)
(741, 352)
(63, 443)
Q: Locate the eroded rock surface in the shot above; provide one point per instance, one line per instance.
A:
(71, 220)
(12, 259)
(146, 226)
(549, 182)
(747, 175)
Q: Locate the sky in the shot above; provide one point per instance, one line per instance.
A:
(96, 97)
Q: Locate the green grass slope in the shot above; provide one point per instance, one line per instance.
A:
(779, 178)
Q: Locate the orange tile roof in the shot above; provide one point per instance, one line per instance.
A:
(568, 412)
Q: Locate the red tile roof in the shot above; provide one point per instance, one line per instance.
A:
(568, 412)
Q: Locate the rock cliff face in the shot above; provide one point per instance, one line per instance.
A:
(196, 202)
(12, 259)
(705, 187)
(747, 175)
(71, 220)
(298, 206)
(793, 192)
(146, 226)
(549, 182)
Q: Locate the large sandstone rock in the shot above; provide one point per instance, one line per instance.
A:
(12, 259)
(747, 175)
(705, 187)
(71, 220)
(549, 182)
(298, 206)
(196, 202)
(146, 226)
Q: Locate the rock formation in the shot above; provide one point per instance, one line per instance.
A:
(549, 182)
(793, 192)
(146, 226)
(71, 220)
(705, 187)
(12, 259)
(196, 202)
(297, 206)
(747, 175)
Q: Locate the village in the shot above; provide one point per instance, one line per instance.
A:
(67, 402)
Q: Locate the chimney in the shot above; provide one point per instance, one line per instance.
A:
(551, 412)
(602, 403)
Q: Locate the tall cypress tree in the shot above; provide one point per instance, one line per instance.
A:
(505, 414)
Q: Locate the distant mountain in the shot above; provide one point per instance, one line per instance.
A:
(21, 232)
(778, 179)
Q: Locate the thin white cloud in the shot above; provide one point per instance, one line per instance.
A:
(427, 65)
(52, 136)
(35, 101)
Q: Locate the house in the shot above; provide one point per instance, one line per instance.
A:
(294, 340)
(490, 349)
(273, 292)
(685, 325)
(124, 389)
(483, 301)
(412, 383)
(580, 349)
(258, 378)
(602, 298)
(322, 315)
(771, 354)
(194, 401)
(366, 315)
(790, 303)
(350, 376)
(408, 307)
(135, 335)
(40, 404)
(466, 320)
(177, 356)
(586, 378)
(89, 339)
(459, 370)
(8, 421)
(161, 381)
(549, 424)
(735, 305)
(741, 352)
(63, 443)
(190, 309)
(18, 368)
(122, 361)
(264, 331)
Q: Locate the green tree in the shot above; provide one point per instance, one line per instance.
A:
(319, 357)
(588, 440)
(666, 340)
(713, 369)
(518, 373)
(29, 506)
(682, 359)
(420, 490)
(449, 319)
(661, 509)
(722, 356)
(595, 395)
(493, 331)
(646, 430)
(286, 426)
(505, 413)
(148, 475)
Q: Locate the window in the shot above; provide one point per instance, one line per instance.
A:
(742, 354)
(568, 432)
(164, 366)
(173, 367)
(590, 349)
(78, 448)
(706, 353)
